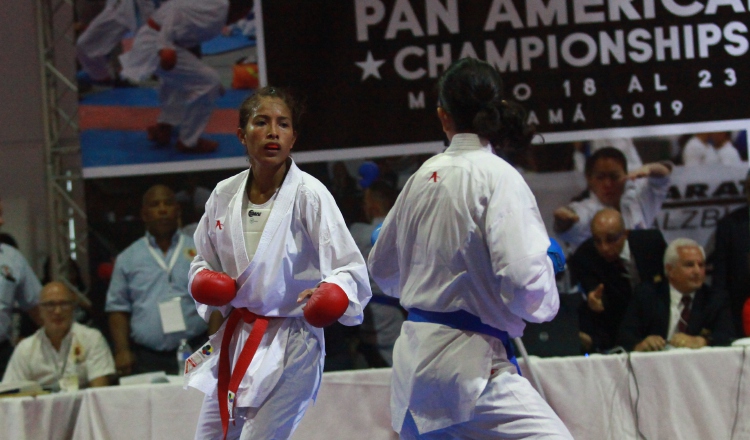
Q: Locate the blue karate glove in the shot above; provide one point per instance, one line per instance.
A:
(556, 254)
(375, 234)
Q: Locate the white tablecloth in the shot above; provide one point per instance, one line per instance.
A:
(48, 416)
(679, 394)
(353, 404)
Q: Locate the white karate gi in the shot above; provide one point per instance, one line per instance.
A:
(107, 30)
(466, 234)
(305, 242)
(188, 91)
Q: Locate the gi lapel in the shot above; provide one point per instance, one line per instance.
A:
(234, 221)
(282, 205)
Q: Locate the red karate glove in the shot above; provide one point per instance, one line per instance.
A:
(213, 288)
(746, 317)
(326, 305)
(167, 58)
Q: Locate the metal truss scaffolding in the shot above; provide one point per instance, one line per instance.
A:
(65, 193)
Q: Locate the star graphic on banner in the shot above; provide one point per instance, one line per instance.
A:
(370, 67)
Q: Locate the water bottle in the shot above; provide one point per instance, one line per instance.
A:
(183, 353)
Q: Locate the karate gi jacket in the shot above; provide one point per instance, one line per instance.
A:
(305, 242)
(464, 234)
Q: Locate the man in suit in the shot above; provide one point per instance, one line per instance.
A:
(730, 259)
(609, 266)
(683, 312)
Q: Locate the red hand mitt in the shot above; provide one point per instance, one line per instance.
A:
(326, 305)
(213, 288)
(167, 59)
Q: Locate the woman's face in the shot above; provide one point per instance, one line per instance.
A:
(269, 135)
(607, 181)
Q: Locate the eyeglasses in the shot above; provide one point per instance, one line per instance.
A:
(52, 305)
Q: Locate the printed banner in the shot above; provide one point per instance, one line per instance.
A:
(581, 68)
(585, 70)
(698, 198)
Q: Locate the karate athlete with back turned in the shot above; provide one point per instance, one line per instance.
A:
(465, 249)
(275, 232)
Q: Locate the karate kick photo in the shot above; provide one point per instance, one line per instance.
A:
(275, 257)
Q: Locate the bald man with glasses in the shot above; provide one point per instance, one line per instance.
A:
(63, 353)
(608, 266)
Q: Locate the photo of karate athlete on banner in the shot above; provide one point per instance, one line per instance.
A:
(272, 246)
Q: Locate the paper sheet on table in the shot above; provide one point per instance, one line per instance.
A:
(171, 316)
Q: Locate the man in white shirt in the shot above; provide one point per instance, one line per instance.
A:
(683, 312)
(637, 194)
(726, 151)
(698, 151)
(62, 349)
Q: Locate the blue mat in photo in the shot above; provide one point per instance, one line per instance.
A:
(100, 148)
(148, 97)
(226, 43)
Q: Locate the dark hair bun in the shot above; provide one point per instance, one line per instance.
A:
(471, 91)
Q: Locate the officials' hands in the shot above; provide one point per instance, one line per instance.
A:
(656, 169)
(124, 361)
(586, 341)
(594, 299)
(651, 343)
(565, 218)
(687, 341)
(307, 293)
(167, 58)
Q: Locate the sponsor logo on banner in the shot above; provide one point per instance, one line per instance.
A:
(697, 198)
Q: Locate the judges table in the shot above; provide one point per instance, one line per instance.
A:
(678, 394)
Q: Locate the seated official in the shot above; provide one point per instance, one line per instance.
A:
(61, 348)
(682, 312)
(608, 267)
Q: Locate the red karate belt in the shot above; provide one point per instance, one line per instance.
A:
(229, 382)
(153, 25)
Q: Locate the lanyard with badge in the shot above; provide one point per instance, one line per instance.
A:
(170, 311)
(71, 353)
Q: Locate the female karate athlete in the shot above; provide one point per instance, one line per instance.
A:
(465, 249)
(276, 232)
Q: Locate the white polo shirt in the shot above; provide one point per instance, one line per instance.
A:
(83, 352)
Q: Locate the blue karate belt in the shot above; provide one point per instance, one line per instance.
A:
(463, 320)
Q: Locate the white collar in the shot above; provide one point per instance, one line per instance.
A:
(152, 240)
(675, 296)
(625, 253)
(468, 141)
